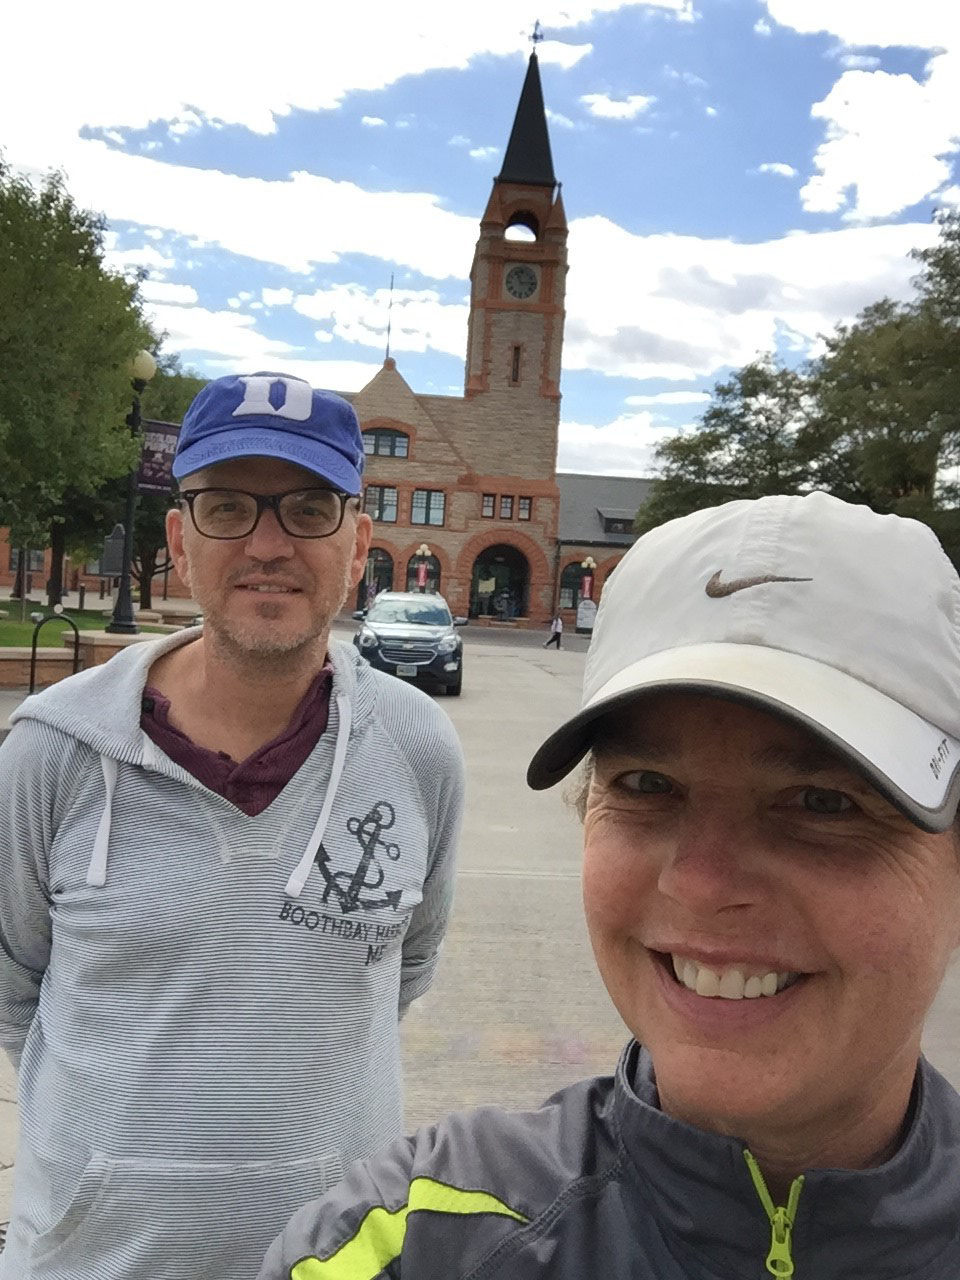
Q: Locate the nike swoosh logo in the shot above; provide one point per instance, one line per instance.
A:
(717, 589)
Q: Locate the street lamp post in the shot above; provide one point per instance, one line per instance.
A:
(122, 622)
(423, 551)
(588, 564)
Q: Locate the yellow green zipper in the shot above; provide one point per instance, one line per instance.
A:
(782, 1217)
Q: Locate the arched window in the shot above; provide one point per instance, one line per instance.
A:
(431, 576)
(377, 577)
(522, 226)
(386, 442)
(571, 581)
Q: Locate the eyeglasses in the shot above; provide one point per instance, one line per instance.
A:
(234, 513)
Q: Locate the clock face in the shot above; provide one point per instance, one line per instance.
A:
(521, 281)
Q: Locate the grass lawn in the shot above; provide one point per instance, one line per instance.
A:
(14, 632)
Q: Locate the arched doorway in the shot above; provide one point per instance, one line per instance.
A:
(377, 577)
(431, 584)
(500, 584)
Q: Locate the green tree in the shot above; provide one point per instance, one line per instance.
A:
(745, 446)
(69, 329)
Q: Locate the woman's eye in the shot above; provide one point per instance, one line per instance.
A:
(821, 800)
(646, 782)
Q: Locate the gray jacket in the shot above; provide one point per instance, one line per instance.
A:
(204, 1004)
(599, 1183)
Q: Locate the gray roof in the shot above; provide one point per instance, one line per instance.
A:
(586, 500)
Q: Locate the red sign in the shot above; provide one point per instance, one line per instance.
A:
(586, 587)
(422, 573)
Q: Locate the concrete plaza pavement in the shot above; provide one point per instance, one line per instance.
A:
(517, 1009)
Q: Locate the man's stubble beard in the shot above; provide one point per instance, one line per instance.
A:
(274, 649)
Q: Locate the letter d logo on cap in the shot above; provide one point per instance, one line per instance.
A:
(297, 403)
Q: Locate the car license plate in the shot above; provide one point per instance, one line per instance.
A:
(406, 669)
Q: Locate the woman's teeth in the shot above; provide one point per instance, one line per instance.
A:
(729, 984)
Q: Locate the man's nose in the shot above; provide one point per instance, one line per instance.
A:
(712, 866)
(268, 541)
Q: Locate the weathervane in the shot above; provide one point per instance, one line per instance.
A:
(537, 34)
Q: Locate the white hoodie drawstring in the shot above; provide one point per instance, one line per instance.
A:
(97, 870)
(298, 878)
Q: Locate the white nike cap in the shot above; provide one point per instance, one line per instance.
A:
(845, 622)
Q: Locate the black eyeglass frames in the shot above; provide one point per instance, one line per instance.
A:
(234, 513)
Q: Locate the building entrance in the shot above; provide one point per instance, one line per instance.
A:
(500, 585)
(377, 577)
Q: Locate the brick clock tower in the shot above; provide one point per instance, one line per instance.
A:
(515, 331)
(474, 479)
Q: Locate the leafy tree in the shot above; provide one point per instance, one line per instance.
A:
(69, 329)
(745, 446)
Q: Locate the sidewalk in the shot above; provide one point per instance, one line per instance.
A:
(37, 602)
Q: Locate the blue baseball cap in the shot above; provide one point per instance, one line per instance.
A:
(272, 415)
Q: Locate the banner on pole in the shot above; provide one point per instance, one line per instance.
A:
(158, 445)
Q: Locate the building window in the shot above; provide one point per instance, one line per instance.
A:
(524, 507)
(488, 505)
(384, 442)
(571, 580)
(427, 506)
(506, 508)
(611, 525)
(380, 503)
(34, 560)
(515, 365)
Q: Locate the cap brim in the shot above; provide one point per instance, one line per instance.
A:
(258, 442)
(914, 764)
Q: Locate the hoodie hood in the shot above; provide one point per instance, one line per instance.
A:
(100, 707)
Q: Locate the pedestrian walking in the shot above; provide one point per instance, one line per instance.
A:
(227, 862)
(556, 632)
(771, 720)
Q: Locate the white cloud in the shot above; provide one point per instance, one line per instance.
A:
(776, 167)
(762, 27)
(684, 77)
(162, 291)
(373, 122)
(710, 111)
(559, 119)
(685, 307)
(670, 397)
(146, 258)
(888, 139)
(483, 153)
(622, 447)
(562, 55)
(228, 335)
(607, 108)
(419, 320)
(921, 24)
(459, 140)
(277, 297)
(858, 61)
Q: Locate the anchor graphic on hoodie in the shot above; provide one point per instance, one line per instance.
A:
(347, 886)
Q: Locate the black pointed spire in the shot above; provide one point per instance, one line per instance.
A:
(528, 159)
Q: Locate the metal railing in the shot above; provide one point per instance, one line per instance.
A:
(53, 617)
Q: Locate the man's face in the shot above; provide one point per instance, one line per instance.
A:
(732, 845)
(269, 593)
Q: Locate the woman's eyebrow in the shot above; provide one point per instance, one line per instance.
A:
(800, 760)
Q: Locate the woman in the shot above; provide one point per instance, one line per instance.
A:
(772, 886)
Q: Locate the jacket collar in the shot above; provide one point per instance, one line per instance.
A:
(897, 1220)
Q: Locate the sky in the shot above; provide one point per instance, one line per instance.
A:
(739, 176)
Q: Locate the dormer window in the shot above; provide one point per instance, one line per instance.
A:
(385, 442)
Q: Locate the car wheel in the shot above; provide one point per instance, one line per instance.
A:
(453, 690)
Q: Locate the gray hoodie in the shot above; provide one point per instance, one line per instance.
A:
(203, 1005)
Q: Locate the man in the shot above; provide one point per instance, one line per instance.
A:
(226, 862)
(556, 632)
(772, 888)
